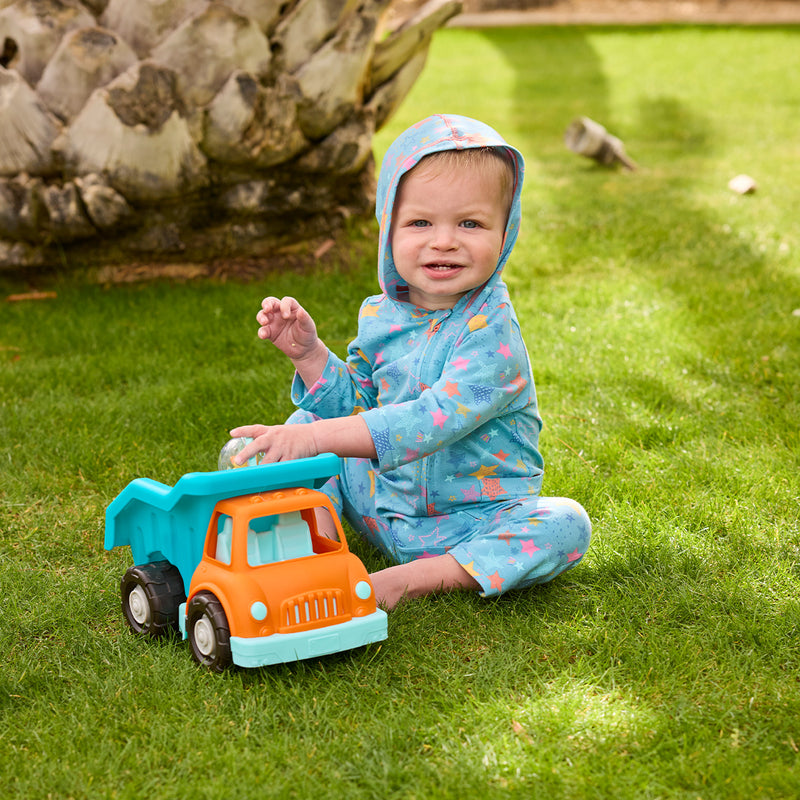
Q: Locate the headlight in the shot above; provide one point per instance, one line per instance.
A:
(363, 590)
(258, 611)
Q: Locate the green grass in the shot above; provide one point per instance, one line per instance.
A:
(658, 309)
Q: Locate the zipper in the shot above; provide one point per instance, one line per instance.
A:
(426, 460)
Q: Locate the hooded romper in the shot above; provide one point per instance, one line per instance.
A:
(449, 400)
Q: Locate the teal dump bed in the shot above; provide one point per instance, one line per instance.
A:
(170, 522)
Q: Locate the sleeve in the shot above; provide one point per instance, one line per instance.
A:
(343, 389)
(485, 375)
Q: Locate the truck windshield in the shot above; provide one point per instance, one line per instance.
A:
(278, 537)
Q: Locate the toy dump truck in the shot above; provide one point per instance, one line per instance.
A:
(235, 561)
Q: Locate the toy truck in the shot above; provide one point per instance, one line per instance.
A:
(235, 561)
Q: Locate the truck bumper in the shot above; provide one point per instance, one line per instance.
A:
(282, 647)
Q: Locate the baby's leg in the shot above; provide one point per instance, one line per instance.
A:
(420, 577)
(526, 543)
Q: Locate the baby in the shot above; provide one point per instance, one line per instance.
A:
(434, 410)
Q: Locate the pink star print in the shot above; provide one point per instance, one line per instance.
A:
(439, 418)
(573, 556)
(469, 494)
(317, 386)
(461, 363)
(529, 548)
(504, 351)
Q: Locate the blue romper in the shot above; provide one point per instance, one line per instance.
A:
(449, 400)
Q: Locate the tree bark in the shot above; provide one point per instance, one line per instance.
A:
(193, 128)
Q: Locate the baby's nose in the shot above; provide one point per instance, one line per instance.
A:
(444, 238)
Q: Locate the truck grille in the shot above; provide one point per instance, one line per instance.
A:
(312, 610)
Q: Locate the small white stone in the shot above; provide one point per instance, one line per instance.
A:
(742, 184)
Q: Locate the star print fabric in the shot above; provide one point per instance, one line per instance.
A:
(449, 399)
(510, 544)
(451, 410)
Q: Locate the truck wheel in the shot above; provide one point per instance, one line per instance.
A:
(209, 634)
(151, 595)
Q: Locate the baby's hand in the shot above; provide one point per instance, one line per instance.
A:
(288, 326)
(276, 443)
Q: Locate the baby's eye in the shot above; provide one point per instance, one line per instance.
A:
(470, 223)
(420, 223)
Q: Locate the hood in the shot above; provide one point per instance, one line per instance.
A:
(431, 135)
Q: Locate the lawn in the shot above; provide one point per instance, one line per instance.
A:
(662, 314)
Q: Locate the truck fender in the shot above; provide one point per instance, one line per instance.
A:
(217, 591)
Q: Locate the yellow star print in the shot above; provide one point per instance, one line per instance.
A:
(477, 322)
(470, 568)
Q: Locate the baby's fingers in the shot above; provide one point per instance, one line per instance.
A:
(269, 307)
(249, 431)
(271, 304)
(251, 448)
(289, 307)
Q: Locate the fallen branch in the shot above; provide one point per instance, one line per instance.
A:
(19, 298)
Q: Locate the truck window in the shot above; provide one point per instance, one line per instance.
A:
(224, 539)
(278, 538)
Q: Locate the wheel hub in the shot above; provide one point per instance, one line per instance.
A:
(139, 606)
(204, 637)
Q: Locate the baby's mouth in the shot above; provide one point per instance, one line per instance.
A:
(442, 267)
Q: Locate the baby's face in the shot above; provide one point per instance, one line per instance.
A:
(447, 232)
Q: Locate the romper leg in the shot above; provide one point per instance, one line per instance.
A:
(504, 546)
(525, 543)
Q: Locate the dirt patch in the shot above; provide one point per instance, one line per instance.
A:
(312, 256)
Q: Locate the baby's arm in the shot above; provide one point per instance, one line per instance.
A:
(291, 329)
(348, 437)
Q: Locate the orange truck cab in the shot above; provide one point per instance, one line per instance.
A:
(259, 583)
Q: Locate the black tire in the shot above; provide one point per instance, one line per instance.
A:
(151, 595)
(208, 631)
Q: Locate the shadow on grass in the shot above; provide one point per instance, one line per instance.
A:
(666, 122)
(683, 595)
(729, 299)
(695, 243)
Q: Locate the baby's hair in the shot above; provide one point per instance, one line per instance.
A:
(490, 161)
